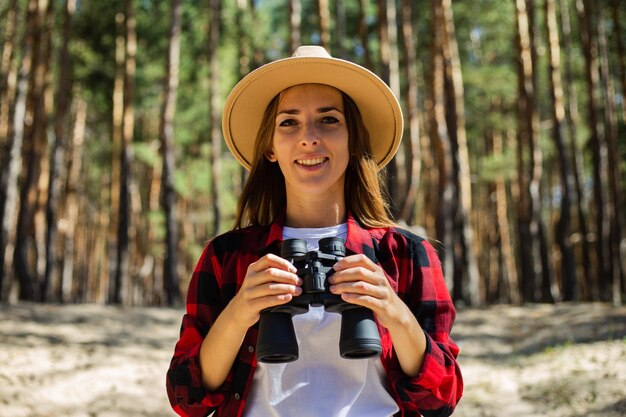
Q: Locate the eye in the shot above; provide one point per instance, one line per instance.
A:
(330, 120)
(287, 122)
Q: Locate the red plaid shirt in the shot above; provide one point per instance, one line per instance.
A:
(414, 271)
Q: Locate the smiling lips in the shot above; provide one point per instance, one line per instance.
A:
(310, 162)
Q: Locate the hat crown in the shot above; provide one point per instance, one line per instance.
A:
(310, 51)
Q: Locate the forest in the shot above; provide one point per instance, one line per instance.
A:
(114, 174)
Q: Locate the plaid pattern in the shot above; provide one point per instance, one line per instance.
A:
(414, 271)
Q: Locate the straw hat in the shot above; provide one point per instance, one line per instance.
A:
(246, 103)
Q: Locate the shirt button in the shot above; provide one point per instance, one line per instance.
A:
(237, 396)
(250, 348)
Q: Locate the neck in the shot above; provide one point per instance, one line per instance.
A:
(314, 213)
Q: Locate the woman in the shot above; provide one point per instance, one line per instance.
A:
(314, 131)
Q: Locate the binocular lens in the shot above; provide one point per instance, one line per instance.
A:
(333, 246)
(277, 339)
(293, 247)
(359, 334)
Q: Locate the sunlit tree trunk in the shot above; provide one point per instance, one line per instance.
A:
(29, 256)
(125, 233)
(8, 80)
(10, 157)
(57, 168)
(168, 193)
(390, 73)
(532, 248)
(71, 212)
(215, 114)
(295, 18)
(441, 139)
(465, 267)
(323, 9)
(562, 232)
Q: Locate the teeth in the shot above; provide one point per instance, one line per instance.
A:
(310, 162)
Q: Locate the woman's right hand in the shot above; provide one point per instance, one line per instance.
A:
(269, 282)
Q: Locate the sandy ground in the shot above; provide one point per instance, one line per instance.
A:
(567, 360)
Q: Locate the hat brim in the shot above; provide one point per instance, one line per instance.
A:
(246, 103)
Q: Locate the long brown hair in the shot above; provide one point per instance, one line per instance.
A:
(264, 196)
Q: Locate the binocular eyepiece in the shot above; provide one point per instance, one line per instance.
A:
(277, 343)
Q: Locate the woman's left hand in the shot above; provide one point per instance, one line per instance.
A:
(360, 281)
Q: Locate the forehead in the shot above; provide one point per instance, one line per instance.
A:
(316, 94)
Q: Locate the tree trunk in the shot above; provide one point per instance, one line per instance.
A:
(364, 34)
(532, 255)
(29, 253)
(621, 50)
(57, 172)
(215, 114)
(598, 149)
(323, 9)
(340, 29)
(168, 193)
(121, 279)
(10, 146)
(411, 144)
(441, 138)
(72, 203)
(615, 198)
(8, 80)
(562, 232)
(295, 19)
(466, 269)
(572, 119)
(390, 71)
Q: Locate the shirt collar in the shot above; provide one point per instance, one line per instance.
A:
(358, 241)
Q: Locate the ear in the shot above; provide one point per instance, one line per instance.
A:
(270, 156)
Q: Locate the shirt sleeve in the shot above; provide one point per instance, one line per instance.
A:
(185, 391)
(415, 267)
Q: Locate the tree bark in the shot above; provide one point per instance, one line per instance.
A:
(615, 198)
(168, 193)
(323, 9)
(121, 280)
(364, 34)
(29, 255)
(563, 231)
(411, 144)
(57, 172)
(215, 114)
(295, 19)
(466, 269)
(598, 149)
(441, 139)
(533, 251)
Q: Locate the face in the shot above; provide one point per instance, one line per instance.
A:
(310, 141)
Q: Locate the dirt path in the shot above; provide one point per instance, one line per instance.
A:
(87, 360)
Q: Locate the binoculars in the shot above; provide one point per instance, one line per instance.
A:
(359, 337)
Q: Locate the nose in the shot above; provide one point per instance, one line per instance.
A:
(309, 134)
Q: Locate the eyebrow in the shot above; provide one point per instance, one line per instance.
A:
(320, 110)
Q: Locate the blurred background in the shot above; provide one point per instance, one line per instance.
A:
(114, 172)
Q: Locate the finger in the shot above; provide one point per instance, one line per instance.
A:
(272, 261)
(353, 261)
(358, 273)
(359, 288)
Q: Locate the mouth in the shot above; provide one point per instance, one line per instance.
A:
(311, 162)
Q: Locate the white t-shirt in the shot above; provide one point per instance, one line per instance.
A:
(320, 383)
